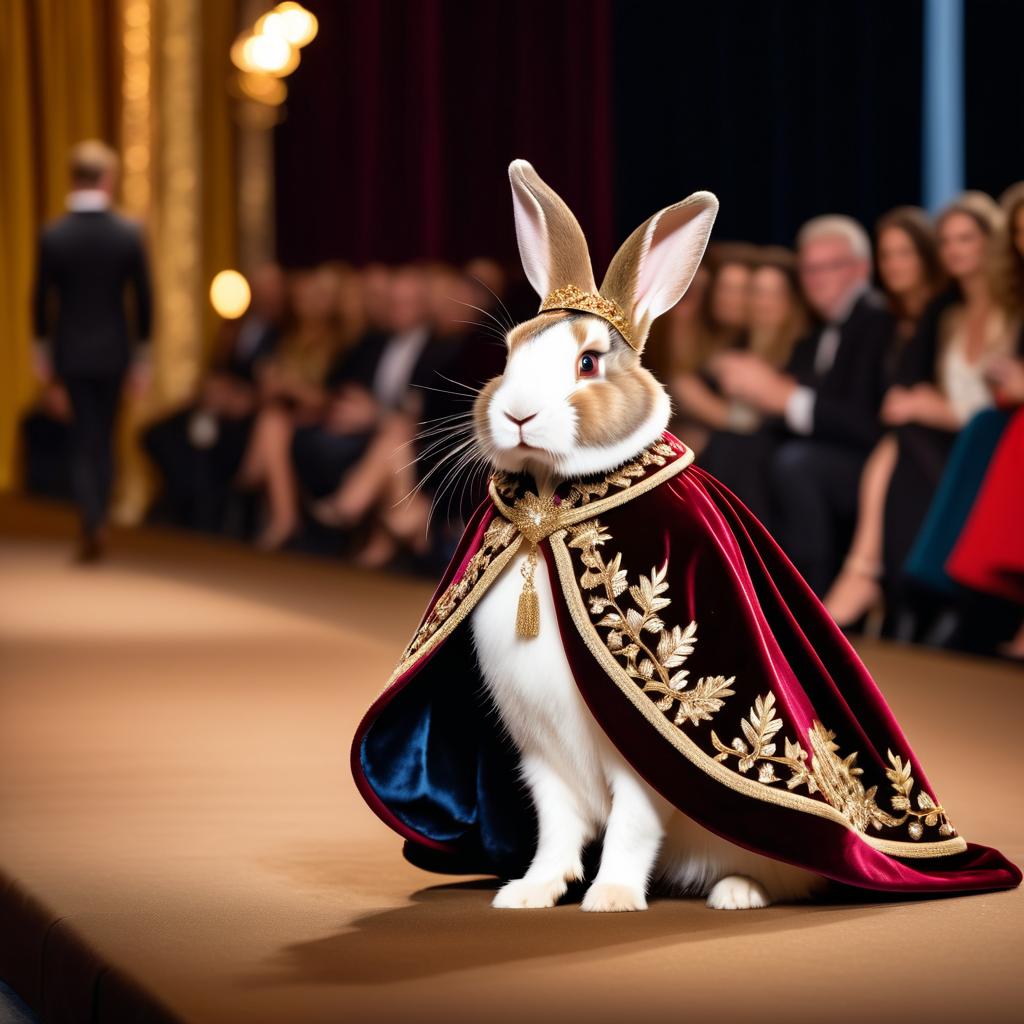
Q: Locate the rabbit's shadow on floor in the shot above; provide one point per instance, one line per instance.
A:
(452, 927)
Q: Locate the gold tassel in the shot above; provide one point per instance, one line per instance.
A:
(528, 613)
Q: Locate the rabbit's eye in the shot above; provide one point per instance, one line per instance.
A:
(589, 365)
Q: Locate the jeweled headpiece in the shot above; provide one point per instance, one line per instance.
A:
(571, 297)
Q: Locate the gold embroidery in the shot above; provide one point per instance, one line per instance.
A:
(496, 537)
(834, 777)
(537, 518)
(656, 668)
(504, 532)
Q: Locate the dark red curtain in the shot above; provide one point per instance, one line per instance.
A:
(403, 117)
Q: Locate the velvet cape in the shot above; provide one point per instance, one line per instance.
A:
(705, 658)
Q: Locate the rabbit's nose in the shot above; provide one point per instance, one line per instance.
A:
(519, 422)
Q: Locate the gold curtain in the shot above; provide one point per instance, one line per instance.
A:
(55, 89)
(69, 70)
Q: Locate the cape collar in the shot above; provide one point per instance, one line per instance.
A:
(516, 498)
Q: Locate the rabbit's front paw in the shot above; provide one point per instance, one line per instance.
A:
(737, 892)
(606, 896)
(522, 893)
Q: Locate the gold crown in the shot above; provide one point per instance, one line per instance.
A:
(571, 297)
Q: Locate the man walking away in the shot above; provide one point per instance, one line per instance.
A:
(92, 274)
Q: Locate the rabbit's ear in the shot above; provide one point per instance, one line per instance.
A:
(655, 265)
(551, 243)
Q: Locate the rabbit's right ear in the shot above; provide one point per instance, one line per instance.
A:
(551, 243)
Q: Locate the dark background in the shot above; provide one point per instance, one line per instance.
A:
(403, 116)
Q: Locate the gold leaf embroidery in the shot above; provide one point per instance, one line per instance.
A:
(836, 778)
(653, 662)
(655, 665)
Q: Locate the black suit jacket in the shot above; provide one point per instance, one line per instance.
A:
(87, 264)
(359, 364)
(849, 393)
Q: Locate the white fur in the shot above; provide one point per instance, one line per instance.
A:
(581, 785)
(539, 378)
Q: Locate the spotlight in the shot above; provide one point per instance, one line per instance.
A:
(265, 54)
(229, 294)
(291, 21)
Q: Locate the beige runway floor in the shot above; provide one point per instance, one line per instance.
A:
(180, 836)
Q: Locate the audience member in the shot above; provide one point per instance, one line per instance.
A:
(910, 272)
(739, 448)
(292, 393)
(721, 323)
(826, 401)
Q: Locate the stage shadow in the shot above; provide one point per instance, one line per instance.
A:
(452, 927)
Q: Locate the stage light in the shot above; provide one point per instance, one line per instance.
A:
(262, 88)
(229, 294)
(291, 21)
(273, 55)
(265, 54)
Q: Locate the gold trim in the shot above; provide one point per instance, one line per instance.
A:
(552, 518)
(461, 610)
(686, 745)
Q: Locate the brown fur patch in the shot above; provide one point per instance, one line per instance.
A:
(610, 409)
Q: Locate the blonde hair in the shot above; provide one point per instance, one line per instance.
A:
(91, 161)
(837, 225)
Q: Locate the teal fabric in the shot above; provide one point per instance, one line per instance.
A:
(968, 463)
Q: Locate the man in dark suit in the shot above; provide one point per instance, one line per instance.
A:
(827, 399)
(89, 261)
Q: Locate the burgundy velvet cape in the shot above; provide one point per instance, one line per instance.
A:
(773, 735)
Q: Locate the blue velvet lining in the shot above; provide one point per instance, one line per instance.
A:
(437, 757)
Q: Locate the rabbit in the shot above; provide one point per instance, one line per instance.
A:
(574, 400)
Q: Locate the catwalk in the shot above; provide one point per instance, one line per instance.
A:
(180, 837)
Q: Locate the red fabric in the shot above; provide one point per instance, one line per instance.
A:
(989, 556)
(758, 621)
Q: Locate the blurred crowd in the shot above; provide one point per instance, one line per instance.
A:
(859, 394)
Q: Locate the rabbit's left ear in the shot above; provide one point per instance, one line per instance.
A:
(655, 265)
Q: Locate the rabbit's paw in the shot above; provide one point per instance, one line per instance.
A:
(606, 896)
(737, 892)
(522, 893)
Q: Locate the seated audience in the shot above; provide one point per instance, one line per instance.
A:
(778, 319)
(199, 448)
(825, 403)
(976, 444)
(911, 276)
(292, 393)
(372, 381)
(943, 382)
(721, 323)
